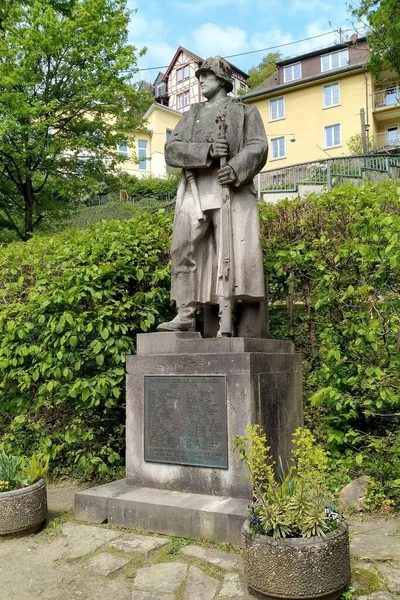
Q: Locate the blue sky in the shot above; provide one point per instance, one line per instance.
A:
(227, 27)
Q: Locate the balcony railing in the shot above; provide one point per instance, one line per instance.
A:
(388, 97)
(387, 140)
(330, 172)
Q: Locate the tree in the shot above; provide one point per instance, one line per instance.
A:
(382, 18)
(266, 67)
(354, 144)
(65, 102)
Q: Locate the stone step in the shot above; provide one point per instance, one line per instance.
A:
(215, 518)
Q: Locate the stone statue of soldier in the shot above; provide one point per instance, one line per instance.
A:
(220, 145)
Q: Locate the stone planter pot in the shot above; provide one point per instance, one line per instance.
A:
(297, 568)
(23, 511)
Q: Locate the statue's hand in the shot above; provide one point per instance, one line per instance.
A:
(226, 175)
(219, 148)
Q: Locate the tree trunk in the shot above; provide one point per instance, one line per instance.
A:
(29, 203)
(311, 326)
(290, 303)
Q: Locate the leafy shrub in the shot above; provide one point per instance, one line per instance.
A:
(333, 263)
(71, 307)
(19, 471)
(138, 188)
(297, 504)
(85, 216)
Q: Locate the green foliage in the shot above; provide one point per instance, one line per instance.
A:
(9, 471)
(379, 457)
(66, 102)
(138, 188)
(85, 216)
(266, 67)
(382, 19)
(348, 594)
(294, 506)
(334, 262)
(354, 144)
(34, 468)
(19, 471)
(71, 307)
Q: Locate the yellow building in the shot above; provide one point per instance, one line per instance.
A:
(144, 152)
(310, 108)
(311, 105)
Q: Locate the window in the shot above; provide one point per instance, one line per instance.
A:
(242, 85)
(334, 60)
(183, 74)
(292, 72)
(142, 152)
(392, 136)
(123, 150)
(276, 109)
(331, 95)
(278, 148)
(332, 135)
(168, 134)
(183, 99)
(161, 88)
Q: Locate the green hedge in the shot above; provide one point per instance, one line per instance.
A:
(334, 270)
(70, 308)
(144, 187)
(140, 188)
(71, 305)
(336, 259)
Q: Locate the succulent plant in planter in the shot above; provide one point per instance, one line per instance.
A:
(297, 545)
(23, 498)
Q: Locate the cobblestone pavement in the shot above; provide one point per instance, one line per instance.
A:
(70, 561)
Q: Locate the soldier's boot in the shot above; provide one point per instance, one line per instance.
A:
(184, 320)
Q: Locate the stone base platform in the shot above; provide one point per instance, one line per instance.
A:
(215, 518)
(243, 381)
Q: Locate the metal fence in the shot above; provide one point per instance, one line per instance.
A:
(123, 196)
(328, 172)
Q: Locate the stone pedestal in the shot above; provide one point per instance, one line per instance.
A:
(187, 397)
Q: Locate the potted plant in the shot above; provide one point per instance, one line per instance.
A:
(296, 544)
(23, 497)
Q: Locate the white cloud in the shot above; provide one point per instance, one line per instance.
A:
(316, 28)
(151, 33)
(269, 39)
(159, 54)
(210, 39)
(195, 7)
(140, 27)
(296, 6)
(279, 41)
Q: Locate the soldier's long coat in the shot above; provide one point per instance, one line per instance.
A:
(189, 148)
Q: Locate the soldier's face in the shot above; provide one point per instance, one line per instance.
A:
(209, 84)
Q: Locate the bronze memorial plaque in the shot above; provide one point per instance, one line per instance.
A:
(185, 420)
